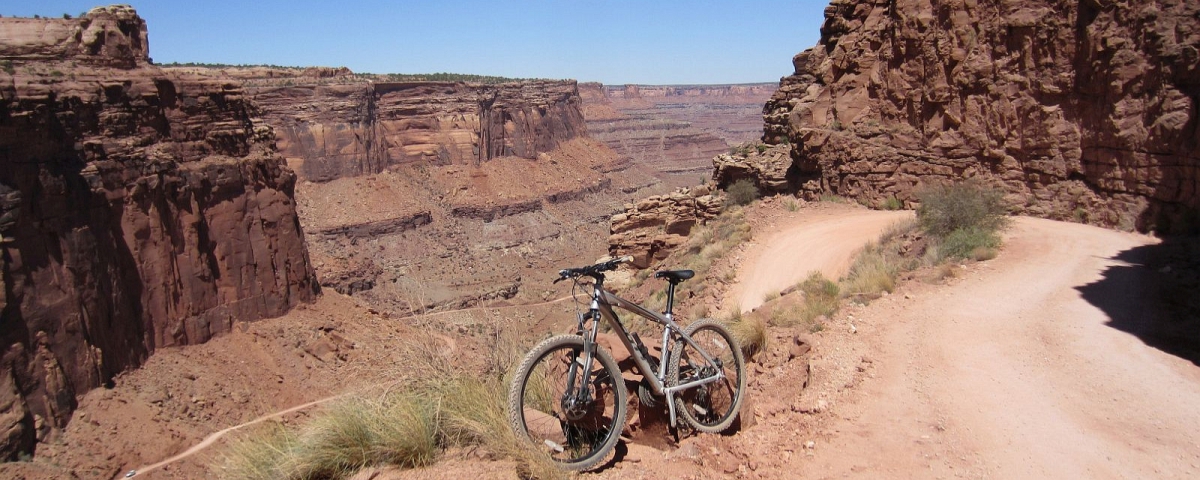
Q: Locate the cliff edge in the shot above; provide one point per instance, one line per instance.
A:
(137, 211)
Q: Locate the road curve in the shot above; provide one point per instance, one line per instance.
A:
(1016, 372)
(815, 240)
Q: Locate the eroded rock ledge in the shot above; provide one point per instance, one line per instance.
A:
(139, 211)
(1080, 109)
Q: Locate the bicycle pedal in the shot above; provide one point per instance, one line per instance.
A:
(699, 409)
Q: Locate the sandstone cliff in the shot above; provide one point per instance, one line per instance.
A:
(356, 127)
(1080, 109)
(140, 211)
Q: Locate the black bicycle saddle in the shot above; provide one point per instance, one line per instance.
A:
(675, 276)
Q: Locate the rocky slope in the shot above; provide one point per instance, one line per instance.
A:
(140, 210)
(1080, 109)
(675, 130)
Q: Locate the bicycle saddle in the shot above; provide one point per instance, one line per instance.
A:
(675, 276)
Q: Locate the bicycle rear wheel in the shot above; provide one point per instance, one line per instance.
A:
(545, 404)
(712, 407)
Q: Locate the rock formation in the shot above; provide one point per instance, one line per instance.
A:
(358, 127)
(140, 211)
(675, 130)
(1080, 109)
(650, 229)
(767, 166)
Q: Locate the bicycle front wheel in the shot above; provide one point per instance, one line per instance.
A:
(711, 407)
(574, 416)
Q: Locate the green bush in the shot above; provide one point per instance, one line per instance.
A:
(947, 208)
(893, 203)
(741, 192)
(970, 243)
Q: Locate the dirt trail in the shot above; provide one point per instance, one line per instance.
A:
(1011, 373)
(819, 240)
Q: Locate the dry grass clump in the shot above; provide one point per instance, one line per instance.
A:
(405, 428)
(751, 333)
(820, 297)
(878, 265)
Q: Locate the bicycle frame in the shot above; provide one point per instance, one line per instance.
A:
(602, 305)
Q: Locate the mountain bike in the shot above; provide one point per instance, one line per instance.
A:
(568, 396)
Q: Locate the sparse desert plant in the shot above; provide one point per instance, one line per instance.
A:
(820, 297)
(751, 335)
(973, 243)
(893, 203)
(741, 192)
(947, 208)
(262, 454)
(873, 272)
(833, 198)
(791, 205)
(770, 297)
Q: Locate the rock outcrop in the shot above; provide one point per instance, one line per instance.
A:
(767, 166)
(1080, 109)
(650, 229)
(356, 127)
(140, 211)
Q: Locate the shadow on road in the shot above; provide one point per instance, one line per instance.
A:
(1155, 295)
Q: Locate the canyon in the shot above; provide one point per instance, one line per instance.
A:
(674, 129)
(1079, 110)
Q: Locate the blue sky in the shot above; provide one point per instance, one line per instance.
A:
(614, 42)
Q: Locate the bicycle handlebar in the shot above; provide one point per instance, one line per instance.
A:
(592, 270)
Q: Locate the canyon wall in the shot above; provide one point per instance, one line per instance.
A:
(139, 211)
(1079, 109)
(354, 127)
(674, 129)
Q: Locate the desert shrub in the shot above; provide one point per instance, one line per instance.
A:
(947, 208)
(820, 297)
(973, 243)
(791, 205)
(7, 66)
(873, 272)
(265, 454)
(751, 335)
(893, 203)
(741, 192)
(761, 148)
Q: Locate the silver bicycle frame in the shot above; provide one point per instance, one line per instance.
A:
(603, 300)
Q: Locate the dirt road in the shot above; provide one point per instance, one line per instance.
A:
(1012, 373)
(817, 240)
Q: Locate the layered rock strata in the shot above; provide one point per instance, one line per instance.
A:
(675, 130)
(140, 211)
(358, 127)
(1080, 109)
(650, 229)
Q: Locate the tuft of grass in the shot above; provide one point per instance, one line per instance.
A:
(751, 334)
(821, 297)
(263, 455)
(741, 192)
(770, 297)
(833, 198)
(406, 428)
(791, 205)
(893, 203)
(873, 272)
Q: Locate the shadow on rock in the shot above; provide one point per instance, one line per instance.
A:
(1154, 295)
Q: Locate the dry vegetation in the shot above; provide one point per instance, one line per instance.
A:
(447, 407)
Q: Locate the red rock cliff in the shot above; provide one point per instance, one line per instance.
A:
(357, 127)
(138, 210)
(1083, 109)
